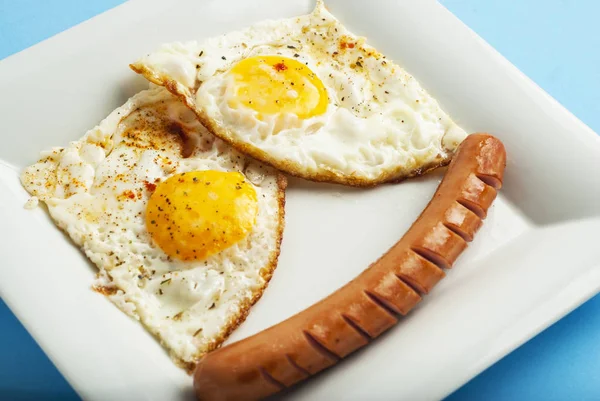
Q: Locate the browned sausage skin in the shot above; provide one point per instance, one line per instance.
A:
(348, 319)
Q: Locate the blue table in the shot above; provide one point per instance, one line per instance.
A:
(555, 42)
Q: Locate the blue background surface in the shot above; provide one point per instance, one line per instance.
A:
(555, 42)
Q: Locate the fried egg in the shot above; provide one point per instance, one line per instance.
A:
(185, 231)
(311, 98)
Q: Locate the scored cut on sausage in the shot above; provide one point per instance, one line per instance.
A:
(349, 318)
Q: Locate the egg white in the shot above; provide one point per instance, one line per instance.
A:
(380, 124)
(96, 190)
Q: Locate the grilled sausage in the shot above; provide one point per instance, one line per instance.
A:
(349, 318)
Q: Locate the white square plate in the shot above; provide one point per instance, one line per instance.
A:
(535, 259)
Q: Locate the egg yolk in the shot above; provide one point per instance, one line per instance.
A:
(191, 216)
(275, 84)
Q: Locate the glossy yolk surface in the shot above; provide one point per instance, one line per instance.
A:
(191, 216)
(275, 85)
